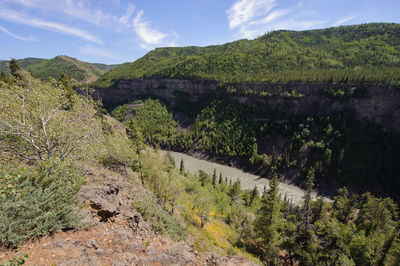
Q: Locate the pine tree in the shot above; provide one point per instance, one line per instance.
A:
(269, 221)
(220, 178)
(214, 178)
(66, 85)
(254, 194)
(135, 135)
(235, 191)
(306, 238)
(14, 68)
(389, 243)
(182, 167)
(202, 177)
(308, 196)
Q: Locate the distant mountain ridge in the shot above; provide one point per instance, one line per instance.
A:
(359, 53)
(77, 70)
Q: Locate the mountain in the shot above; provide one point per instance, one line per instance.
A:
(52, 68)
(367, 52)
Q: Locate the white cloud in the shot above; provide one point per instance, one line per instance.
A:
(245, 10)
(29, 39)
(24, 19)
(82, 10)
(143, 29)
(342, 21)
(124, 20)
(274, 15)
(96, 51)
(251, 18)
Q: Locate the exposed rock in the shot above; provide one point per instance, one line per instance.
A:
(377, 104)
(121, 239)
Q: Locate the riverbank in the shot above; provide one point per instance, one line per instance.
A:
(247, 180)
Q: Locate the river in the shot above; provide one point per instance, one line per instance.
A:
(248, 181)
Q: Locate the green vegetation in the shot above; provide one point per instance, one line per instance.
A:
(361, 53)
(15, 261)
(36, 201)
(42, 137)
(352, 230)
(45, 69)
(341, 150)
(47, 134)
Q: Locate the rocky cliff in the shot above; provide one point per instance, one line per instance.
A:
(369, 103)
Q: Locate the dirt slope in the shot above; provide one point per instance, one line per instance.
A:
(118, 235)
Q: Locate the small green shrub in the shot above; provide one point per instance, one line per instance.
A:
(16, 261)
(120, 112)
(160, 220)
(37, 202)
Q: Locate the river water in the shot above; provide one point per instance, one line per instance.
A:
(248, 181)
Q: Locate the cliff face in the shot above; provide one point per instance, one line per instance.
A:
(369, 103)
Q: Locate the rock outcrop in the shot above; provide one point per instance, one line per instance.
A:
(117, 235)
(376, 104)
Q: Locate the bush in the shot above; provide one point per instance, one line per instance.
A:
(160, 220)
(37, 202)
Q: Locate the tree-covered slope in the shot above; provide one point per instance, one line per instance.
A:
(45, 69)
(368, 52)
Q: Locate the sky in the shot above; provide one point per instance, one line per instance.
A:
(117, 31)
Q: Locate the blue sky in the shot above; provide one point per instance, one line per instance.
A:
(117, 31)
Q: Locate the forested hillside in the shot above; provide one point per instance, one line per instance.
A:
(64, 164)
(361, 53)
(45, 69)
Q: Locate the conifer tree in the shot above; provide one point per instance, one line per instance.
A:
(66, 85)
(306, 238)
(14, 68)
(254, 194)
(135, 135)
(308, 196)
(182, 167)
(269, 221)
(214, 178)
(202, 177)
(388, 245)
(235, 191)
(220, 178)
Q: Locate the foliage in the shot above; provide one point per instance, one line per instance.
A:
(37, 121)
(38, 201)
(120, 112)
(221, 129)
(360, 53)
(155, 122)
(15, 261)
(46, 69)
(269, 220)
(161, 221)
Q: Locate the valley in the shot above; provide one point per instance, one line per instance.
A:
(278, 150)
(248, 181)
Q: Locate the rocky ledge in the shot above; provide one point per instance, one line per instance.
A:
(116, 235)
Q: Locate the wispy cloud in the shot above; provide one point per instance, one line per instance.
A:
(244, 11)
(251, 18)
(146, 33)
(27, 39)
(22, 18)
(126, 23)
(96, 51)
(342, 21)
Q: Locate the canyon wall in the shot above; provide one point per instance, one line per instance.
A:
(371, 103)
